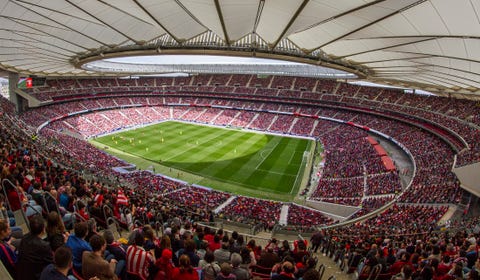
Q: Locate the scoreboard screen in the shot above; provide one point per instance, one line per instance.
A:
(38, 81)
(30, 82)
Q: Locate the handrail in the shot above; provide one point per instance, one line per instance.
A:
(47, 209)
(106, 209)
(24, 215)
(4, 188)
(112, 221)
(77, 215)
(321, 271)
(247, 236)
(127, 214)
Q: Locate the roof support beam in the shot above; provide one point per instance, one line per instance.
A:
(261, 4)
(156, 20)
(445, 67)
(457, 79)
(100, 20)
(343, 14)
(292, 20)
(222, 21)
(180, 4)
(29, 59)
(53, 67)
(23, 22)
(438, 80)
(436, 36)
(59, 23)
(387, 60)
(441, 56)
(370, 24)
(57, 11)
(34, 40)
(124, 12)
(33, 50)
(387, 47)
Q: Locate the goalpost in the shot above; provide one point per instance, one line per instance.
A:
(305, 165)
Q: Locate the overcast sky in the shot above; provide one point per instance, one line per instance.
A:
(207, 59)
(196, 59)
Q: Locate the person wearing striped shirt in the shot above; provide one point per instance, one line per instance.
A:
(7, 252)
(138, 260)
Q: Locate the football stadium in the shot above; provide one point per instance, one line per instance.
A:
(253, 139)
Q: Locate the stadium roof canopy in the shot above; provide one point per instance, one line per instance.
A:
(427, 44)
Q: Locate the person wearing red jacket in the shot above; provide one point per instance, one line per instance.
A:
(185, 271)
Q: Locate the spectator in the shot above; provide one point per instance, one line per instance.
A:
(34, 254)
(240, 272)
(248, 258)
(286, 273)
(215, 244)
(138, 260)
(472, 256)
(226, 273)
(56, 233)
(164, 244)
(92, 229)
(223, 254)
(77, 243)
(62, 262)
(189, 249)
(284, 250)
(150, 239)
(82, 211)
(4, 213)
(185, 271)
(400, 263)
(300, 252)
(444, 266)
(455, 273)
(164, 265)
(7, 251)
(210, 268)
(93, 263)
(302, 269)
(268, 258)
(315, 240)
(115, 250)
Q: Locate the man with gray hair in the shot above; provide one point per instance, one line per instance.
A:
(240, 272)
(223, 254)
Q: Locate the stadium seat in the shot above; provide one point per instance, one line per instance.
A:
(134, 276)
(321, 271)
(77, 274)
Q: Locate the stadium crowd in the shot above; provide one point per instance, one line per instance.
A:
(48, 166)
(336, 166)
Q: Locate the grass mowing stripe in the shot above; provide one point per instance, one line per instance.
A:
(238, 170)
(224, 153)
(265, 154)
(224, 157)
(178, 144)
(230, 170)
(276, 160)
(182, 144)
(195, 148)
(299, 150)
(200, 155)
(216, 168)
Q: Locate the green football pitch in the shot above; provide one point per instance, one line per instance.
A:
(241, 162)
